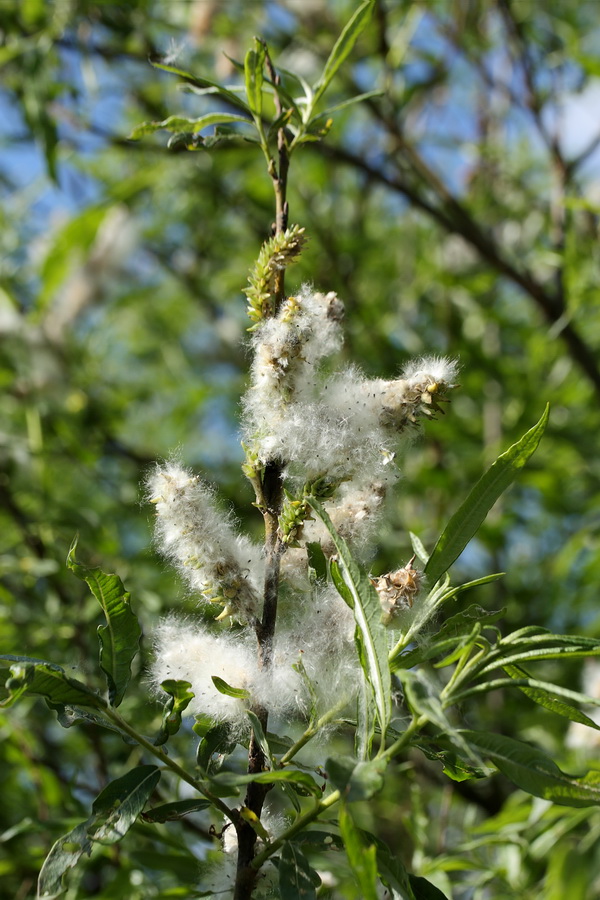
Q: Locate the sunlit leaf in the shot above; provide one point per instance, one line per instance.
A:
(254, 65)
(229, 691)
(47, 680)
(180, 124)
(120, 637)
(362, 857)
(343, 46)
(179, 809)
(356, 589)
(467, 519)
(297, 881)
(122, 801)
(204, 84)
(534, 772)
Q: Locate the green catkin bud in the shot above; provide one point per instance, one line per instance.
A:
(275, 255)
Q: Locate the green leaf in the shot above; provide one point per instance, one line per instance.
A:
(291, 776)
(205, 85)
(66, 246)
(47, 680)
(366, 721)
(467, 519)
(462, 622)
(356, 780)
(419, 548)
(535, 646)
(180, 697)
(423, 698)
(259, 735)
(254, 76)
(548, 696)
(359, 98)
(216, 740)
(170, 812)
(120, 637)
(343, 47)
(114, 811)
(317, 560)
(68, 716)
(224, 688)
(534, 772)
(362, 858)
(425, 890)
(122, 801)
(392, 871)
(297, 881)
(65, 853)
(485, 579)
(178, 124)
(358, 592)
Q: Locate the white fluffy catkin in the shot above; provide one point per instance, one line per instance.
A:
(200, 540)
(319, 632)
(344, 425)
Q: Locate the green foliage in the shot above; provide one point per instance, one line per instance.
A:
(119, 638)
(469, 517)
(297, 881)
(114, 811)
(47, 680)
(534, 772)
(355, 588)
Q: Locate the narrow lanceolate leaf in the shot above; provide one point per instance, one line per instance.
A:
(259, 735)
(254, 65)
(66, 853)
(366, 721)
(419, 548)
(357, 590)
(34, 676)
(534, 772)
(362, 858)
(178, 124)
(297, 881)
(122, 801)
(423, 698)
(120, 637)
(180, 697)
(467, 519)
(343, 46)
(204, 84)
(291, 776)
(179, 809)
(554, 698)
(542, 644)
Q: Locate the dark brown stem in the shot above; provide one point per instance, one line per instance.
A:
(269, 500)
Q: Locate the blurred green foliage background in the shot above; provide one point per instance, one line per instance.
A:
(457, 213)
